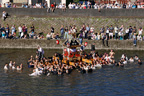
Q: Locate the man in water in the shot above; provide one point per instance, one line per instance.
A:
(139, 62)
(112, 53)
(40, 53)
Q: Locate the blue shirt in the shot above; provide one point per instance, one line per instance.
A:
(88, 28)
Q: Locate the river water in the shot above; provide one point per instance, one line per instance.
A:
(114, 81)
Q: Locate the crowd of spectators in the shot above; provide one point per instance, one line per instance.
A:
(37, 5)
(69, 32)
(80, 5)
(25, 5)
(116, 5)
(52, 7)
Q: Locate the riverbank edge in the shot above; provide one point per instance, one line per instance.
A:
(51, 44)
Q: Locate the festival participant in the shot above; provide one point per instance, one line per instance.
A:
(56, 66)
(82, 69)
(89, 68)
(10, 64)
(136, 57)
(6, 67)
(93, 67)
(112, 54)
(124, 57)
(124, 61)
(18, 68)
(98, 65)
(139, 62)
(120, 64)
(85, 67)
(13, 66)
(36, 72)
(40, 53)
(131, 60)
(21, 66)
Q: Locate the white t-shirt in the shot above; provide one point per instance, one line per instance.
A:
(139, 37)
(92, 29)
(139, 6)
(38, 5)
(116, 30)
(73, 30)
(48, 35)
(40, 49)
(77, 7)
(140, 32)
(60, 6)
(98, 37)
(127, 30)
(70, 6)
(120, 34)
(107, 31)
(22, 34)
(20, 29)
(95, 6)
(4, 15)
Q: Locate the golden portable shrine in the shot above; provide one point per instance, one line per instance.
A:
(72, 51)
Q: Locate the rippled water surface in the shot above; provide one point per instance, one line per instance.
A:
(114, 81)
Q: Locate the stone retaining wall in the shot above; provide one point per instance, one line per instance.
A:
(75, 12)
(51, 44)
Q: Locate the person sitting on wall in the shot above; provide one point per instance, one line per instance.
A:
(10, 36)
(64, 7)
(52, 7)
(57, 36)
(48, 36)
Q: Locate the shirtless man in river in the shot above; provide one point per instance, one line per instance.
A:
(112, 53)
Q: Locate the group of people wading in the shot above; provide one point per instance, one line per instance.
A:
(55, 65)
(72, 58)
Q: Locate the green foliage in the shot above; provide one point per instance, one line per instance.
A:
(76, 1)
